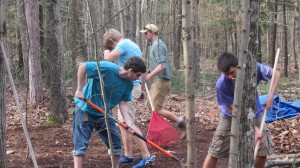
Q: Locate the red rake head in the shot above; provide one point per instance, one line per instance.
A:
(160, 131)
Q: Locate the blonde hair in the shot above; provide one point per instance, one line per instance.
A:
(111, 36)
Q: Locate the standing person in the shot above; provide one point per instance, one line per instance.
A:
(228, 64)
(117, 87)
(160, 72)
(122, 49)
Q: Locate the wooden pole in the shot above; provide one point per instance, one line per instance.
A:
(18, 106)
(262, 124)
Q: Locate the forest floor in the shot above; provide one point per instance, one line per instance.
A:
(53, 144)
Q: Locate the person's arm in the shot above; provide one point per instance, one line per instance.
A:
(80, 80)
(258, 136)
(143, 79)
(230, 108)
(269, 101)
(111, 55)
(160, 68)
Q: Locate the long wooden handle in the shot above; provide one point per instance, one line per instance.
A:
(149, 98)
(262, 124)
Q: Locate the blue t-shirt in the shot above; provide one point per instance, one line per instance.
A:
(128, 49)
(225, 90)
(116, 88)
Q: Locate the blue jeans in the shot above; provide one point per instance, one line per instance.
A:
(83, 126)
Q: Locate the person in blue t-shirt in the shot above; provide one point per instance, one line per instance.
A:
(117, 88)
(228, 64)
(122, 49)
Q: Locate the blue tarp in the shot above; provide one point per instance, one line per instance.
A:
(280, 108)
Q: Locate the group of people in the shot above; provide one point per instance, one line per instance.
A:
(124, 85)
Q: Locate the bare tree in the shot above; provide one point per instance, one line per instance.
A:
(94, 15)
(271, 57)
(285, 41)
(56, 60)
(35, 70)
(189, 59)
(3, 158)
(23, 36)
(242, 127)
(73, 39)
(177, 38)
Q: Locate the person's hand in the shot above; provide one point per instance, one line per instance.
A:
(258, 136)
(142, 97)
(79, 94)
(105, 52)
(130, 130)
(268, 103)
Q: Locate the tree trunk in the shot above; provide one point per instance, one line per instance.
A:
(196, 42)
(242, 127)
(3, 157)
(73, 43)
(297, 31)
(189, 86)
(94, 15)
(35, 70)
(19, 50)
(294, 36)
(177, 44)
(274, 35)
(285, 41)
(23, 36)
(55, 56)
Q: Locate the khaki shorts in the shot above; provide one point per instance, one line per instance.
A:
(219, 147)
(135, 95)
(160, 88)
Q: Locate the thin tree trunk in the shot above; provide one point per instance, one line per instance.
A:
(196, 42)
(94, 26)
(35, 70)
(19, 50)
(189, 59)
(177, 45)
(3, 157)
(23, 36)
(55, 55)
(138, 36)
(294, 36)
(274, 35)
(285, 41)
(73, 43)
(242, 127)
(297, 31)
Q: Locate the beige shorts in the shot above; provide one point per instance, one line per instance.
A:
(219, 147)
(160, 88)
(135, 95)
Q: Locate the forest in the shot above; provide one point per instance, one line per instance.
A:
(44, 42)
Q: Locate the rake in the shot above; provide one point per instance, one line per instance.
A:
(134, 133)
(160, 131)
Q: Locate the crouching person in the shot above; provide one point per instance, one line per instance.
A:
(117, 87)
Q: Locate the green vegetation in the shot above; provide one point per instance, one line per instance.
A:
(52, 122)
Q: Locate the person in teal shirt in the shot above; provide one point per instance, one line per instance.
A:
(117, 87)
(122, 49)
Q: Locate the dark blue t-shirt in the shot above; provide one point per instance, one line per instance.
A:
(116, 88)
(225, 90)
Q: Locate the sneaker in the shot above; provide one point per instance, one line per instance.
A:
(145, 162)
(182, 126)
(125, 159)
